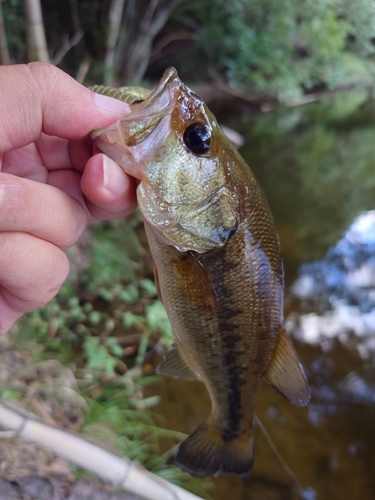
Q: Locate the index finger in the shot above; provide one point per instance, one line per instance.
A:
(40, 98)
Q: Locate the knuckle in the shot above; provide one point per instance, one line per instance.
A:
(49, 78)
(41, 72)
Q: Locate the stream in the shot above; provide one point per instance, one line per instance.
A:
(316, 165)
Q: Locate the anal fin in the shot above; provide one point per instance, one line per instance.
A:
(173, 365)
(285, 372)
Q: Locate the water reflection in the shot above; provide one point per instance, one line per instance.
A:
(337, 293)
(336, 313)
(316, 165)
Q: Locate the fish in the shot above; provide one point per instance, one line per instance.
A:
(217, 266)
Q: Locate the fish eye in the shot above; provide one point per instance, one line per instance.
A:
(197, 138)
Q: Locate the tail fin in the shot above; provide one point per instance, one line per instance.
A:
(208, 451)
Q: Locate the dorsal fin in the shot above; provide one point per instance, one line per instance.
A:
(285, 372)
(125, 94)
(173, 365)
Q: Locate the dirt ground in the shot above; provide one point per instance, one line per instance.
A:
(29, 472)
(37, 488)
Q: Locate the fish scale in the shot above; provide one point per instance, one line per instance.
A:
(217, 265)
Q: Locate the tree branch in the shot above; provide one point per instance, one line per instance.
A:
(67, 45)
(119, 471)
(35, 30)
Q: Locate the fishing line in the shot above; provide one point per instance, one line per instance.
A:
(287, 469)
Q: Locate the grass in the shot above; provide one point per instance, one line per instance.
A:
(85, 358)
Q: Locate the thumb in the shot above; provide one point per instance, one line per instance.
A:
(40, 98)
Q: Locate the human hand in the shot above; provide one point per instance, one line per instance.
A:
(51, 184)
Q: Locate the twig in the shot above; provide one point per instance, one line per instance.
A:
(83, 69)
(220, 84)
(8, 434)
(67, 45)
(167, 39)
(38, 407)
(119, 471)
(306, 99)
(145, 23)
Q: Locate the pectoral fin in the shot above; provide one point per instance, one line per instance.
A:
(285, 372)
(157, 282)
(173, 365)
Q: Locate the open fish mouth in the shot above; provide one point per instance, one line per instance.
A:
(144, 117)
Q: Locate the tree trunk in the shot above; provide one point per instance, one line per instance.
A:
(115, 16)
(37, 45)
(4, 52)
(142, 25)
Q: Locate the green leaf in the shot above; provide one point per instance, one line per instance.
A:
(149, 287)
(95, 317)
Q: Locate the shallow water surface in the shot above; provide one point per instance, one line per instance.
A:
(316, 164)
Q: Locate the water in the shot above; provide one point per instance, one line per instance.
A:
(316, 164)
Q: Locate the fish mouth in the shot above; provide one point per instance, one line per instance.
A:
(142, 121)
(169, 76)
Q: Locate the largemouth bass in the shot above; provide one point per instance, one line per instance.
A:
(217, 265)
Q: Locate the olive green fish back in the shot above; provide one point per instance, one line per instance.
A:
(126, 94)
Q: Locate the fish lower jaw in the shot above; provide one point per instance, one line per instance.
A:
(122, 155)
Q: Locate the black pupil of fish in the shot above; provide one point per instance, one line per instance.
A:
(197, 138)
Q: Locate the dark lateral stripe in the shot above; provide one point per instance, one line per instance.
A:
(232, 352)
(222, 267)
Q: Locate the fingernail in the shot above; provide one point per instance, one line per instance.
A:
(114, 179)
(112, 105)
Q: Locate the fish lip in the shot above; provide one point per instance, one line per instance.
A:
(158, 104)
(168, 77)
(158, 100)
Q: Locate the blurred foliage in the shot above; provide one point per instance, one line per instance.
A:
(15, 25)
(287, 48)
(316, 165)
(278, 49)
(80, 361)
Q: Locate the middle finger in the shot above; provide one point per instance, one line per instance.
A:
(41, 210)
